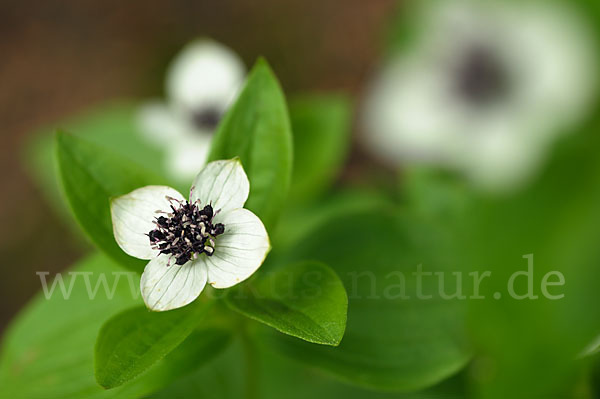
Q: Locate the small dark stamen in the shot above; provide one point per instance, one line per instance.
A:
(207, 118)
(156, 235)
(187, 232)
(481, 78)
(162, 221)
(207, 211)
(218, 228)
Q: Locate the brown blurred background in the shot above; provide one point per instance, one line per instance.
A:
(61, 57)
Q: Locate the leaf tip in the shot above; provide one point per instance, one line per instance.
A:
(101, 378)
(60, 135)
(261, 66)
(261, 62)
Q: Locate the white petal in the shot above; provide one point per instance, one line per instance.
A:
(159, 124)
(503, 157)
(187, 156)
(171, 287)
(133, 215)
(239, 251)
(406, 115)
(222, 184)
(204, 74)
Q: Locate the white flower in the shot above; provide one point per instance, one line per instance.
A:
(485, 89)
(202, 82)
(210, 238)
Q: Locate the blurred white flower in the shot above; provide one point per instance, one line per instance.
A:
(209, 238)
(202, 82)
(485, 88)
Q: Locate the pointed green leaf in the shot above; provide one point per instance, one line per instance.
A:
(306, 300)
(90, 176)
(135, 339)
(111, 125)
(257, 129)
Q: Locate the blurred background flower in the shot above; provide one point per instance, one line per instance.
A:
(201, 83)
(483, 87)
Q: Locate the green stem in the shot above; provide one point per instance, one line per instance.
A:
(251, 366)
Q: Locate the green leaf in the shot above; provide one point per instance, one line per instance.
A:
(257, 129)
(222, 379)
(285, 378)
(90, 176)
(135, 339)
(111, 125)
(280, 377)
(198, 350)
(48, 350)
(321, 126)
(550, 226)
(394, 340)
(306, 300)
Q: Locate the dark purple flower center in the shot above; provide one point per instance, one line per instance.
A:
(186, 232)
(481, 77)
(207, 118)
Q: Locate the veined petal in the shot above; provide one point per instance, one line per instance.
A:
(240, 251)
(204, 74)
(170, 287)
(133, 215)
(222, 184)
